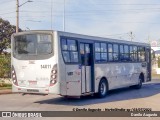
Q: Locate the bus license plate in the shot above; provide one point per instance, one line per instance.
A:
(31, 83)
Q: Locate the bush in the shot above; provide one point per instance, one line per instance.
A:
(5, 85)
(5, 66)
(158, 62)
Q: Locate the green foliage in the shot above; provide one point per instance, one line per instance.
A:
(5, 86)
(6, 30)
(5, 66)
(158, 62)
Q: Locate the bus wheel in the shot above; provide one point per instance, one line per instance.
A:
(103, 88)
(139, 85)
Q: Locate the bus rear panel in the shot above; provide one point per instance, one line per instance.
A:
(34, 64)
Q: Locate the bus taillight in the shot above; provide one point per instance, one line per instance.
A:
(14, 77)
(53, 75)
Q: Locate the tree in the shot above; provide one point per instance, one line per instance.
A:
(6, 30)
(5, 63)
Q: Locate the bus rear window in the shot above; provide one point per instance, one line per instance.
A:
(33, 44)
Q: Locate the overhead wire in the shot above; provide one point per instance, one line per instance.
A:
(74, 14)
(7, 13)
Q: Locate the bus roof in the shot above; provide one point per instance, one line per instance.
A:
(100, 38)
(82, 36)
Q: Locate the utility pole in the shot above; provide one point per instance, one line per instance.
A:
(17, 13)
(64, 16)
(131, 35)
(51, 14)
(17, 16)
(149, 39)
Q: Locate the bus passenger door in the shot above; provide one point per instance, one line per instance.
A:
(87, 62)
(148, 60)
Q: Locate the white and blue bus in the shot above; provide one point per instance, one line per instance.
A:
(69, 64)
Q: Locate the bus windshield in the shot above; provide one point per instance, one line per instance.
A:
(33, 44)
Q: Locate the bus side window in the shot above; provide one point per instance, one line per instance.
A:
(82, 52)
(115, 52)
(124, 53)
(121, 52)
(66, 56)
(64, 44)
(69, 50)
(110, 51)
(74, 56)
(135, 53)
(97, 52)
(72, 45)
(131, 53)
(88, 55)
(141, 54)
(103, 52)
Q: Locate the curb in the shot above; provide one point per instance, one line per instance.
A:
(7, 91)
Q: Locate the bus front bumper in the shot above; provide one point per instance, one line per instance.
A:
(30, 90)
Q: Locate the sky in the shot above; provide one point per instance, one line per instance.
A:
(105, 18)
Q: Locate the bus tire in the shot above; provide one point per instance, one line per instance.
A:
(102, 89)
(139, 85)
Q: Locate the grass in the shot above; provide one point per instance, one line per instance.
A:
(156, 76)
(5, 88)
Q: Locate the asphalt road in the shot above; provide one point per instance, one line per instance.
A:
(126, 98)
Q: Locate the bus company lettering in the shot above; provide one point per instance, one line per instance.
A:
(45, 66)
